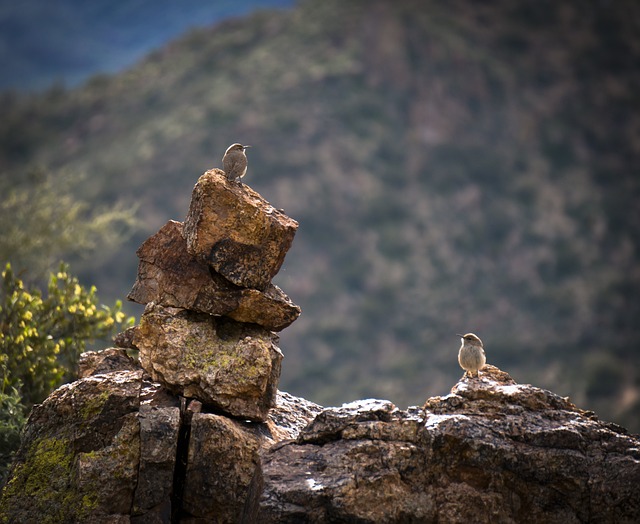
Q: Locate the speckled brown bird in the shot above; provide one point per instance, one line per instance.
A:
(471, 356)
(234, 162)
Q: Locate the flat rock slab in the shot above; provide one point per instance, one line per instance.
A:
(236, 231)
(168, 275)
(232, 366)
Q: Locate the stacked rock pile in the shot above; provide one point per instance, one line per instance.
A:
(207, 331)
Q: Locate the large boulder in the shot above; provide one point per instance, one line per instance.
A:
(491, 451)
(168, 275)
(116, 448)
(237, 232)
(79, 456)
(232, 366)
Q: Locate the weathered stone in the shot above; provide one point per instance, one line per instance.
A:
(104, 449)
(351, 464)
(290, 416)
(159, 418)
(168, 275)
(232, 366)
(221, 493)
(105, 361)
(125, 338)
(238, 233)
(79, 457)
(491, 451)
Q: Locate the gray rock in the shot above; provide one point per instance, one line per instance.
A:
(109, 448)
(79, 456)
(104, 449)
(160, 420)
(491, 451)
(222, 493)
(105, 361)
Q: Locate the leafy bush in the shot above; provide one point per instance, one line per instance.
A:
(41, 339)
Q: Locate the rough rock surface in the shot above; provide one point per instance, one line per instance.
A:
(223, 493)
(232, 366)
(204, 436)
(238, 233)
(105, 361)
(125, 338)
(78, 461)
(117, 448)
(491, 451)
(168, 275)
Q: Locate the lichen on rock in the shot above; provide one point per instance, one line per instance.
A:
(233, 367)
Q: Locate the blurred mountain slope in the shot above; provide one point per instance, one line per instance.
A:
(65, 41)
(454, 166)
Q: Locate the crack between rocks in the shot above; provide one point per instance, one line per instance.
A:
(135, 489)
(182, 458)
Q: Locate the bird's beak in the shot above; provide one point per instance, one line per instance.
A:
(245, 147)
(459, 335)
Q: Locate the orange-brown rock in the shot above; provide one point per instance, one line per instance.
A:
(168, 275)
(105, 361)
(237, 232)
(231, 366)
(116, 448)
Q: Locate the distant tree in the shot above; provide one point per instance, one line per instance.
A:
(42, 222)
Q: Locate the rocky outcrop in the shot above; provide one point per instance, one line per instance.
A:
(117, 447)
(491, 451)
(238, 233)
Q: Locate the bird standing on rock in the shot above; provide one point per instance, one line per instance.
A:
(471, 356)
(234, 162)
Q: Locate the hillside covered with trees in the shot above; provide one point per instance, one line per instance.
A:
(454, 166)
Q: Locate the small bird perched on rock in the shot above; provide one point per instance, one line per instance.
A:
(471, 356)
(234, 162)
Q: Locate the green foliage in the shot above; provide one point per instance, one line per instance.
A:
(43, 337)
(43, 221)
(12, 420)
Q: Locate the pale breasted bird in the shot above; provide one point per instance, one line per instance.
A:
(471, 356)
(234, 162)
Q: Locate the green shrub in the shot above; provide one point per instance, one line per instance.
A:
(41, 339)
